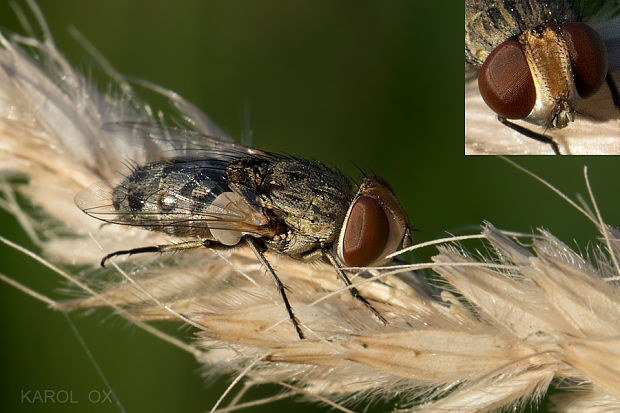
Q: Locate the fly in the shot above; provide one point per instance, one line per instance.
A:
(226, 194)
(535, 60)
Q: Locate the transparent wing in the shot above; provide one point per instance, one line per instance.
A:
(147, 143)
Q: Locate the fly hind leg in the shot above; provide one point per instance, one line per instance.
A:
(162, 248)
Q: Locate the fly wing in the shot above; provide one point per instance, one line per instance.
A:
(186, 198)
(147, 143)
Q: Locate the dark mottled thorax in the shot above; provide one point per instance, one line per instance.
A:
(308, 199)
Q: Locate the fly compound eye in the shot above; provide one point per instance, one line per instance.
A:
(374, 227)
(506, 83)
(588, 56)
(366, 233)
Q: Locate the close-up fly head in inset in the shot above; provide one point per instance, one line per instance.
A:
(535, 60)
(218, 194)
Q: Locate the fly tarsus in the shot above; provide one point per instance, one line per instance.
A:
(133, 251)
(280, 287)
(161, 248)
(354, 292)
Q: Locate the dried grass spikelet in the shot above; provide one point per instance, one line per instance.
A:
(595, 131)
(496, 335)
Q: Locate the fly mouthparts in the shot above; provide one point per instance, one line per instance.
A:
(562, 115)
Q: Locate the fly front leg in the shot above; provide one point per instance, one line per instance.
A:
(613, 89)
(531, 134)
(353, 290)
(280, 287)
(163, 248)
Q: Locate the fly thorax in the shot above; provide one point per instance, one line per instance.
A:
(293, 244)
(321, 221)
(308, 198)
(548, 58)
(311, 220)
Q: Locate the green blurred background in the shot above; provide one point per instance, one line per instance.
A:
(374, 85)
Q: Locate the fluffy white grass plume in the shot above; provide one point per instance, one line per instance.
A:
(496, 333)
(595, 131)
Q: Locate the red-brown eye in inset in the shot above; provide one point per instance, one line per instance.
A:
(505, 81)
(366, 233)
(588, 56)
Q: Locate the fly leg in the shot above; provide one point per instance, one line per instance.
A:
(162, 248)
(353, 290)
(280, 287)
(531, 134)
(613, 89)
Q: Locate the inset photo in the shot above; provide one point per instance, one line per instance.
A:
(542, 77)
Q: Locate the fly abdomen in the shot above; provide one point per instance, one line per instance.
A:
(171, 196)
